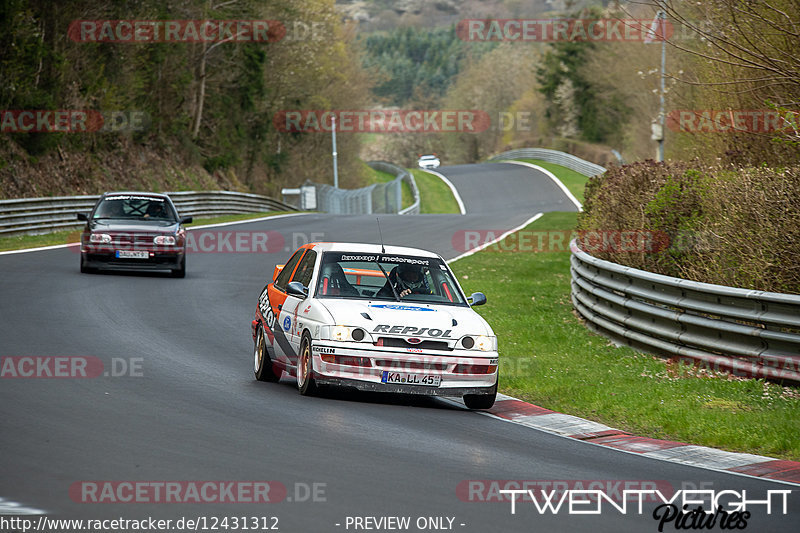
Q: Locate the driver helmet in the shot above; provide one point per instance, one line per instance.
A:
(410, 277)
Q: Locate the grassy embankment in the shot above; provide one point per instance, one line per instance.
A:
(549, 358)
(435, 195)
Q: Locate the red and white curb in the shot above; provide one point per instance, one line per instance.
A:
(533, 416)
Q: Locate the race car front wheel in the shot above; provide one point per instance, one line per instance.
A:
(262, 365)
(305, 368)
(85, 269)
(180, 272)
(481, 401)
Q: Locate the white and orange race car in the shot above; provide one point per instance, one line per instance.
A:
(374, 318)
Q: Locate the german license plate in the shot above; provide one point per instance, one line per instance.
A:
(133, 254)
(404, 378)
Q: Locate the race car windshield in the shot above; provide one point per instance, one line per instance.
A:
(368, 277)
(134, 207)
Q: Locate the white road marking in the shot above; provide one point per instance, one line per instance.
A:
(561, 424)
(8, 507)
(552, 177)
(703, 456)
(500, 238)
(453, 189)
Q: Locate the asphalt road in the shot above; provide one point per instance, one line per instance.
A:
(186, 407)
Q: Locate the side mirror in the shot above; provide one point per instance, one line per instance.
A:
(277, 271)
(295, 288)
(477, 298)
(186, 220)
(83, 216)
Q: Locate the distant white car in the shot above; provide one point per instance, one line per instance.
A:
(376, 319)
(428, 161)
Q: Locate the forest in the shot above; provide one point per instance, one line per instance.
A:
(168, 109)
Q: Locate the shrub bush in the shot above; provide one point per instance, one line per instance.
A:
(726, 225)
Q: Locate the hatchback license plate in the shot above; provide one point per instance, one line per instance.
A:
(411, 379)
(133, 254)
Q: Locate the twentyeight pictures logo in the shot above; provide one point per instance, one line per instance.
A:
(383, 121)
(176, 31)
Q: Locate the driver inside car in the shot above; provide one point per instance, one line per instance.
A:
(407, 279)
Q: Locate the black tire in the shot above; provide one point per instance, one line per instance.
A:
(305, 368)
(85, 269)
(480, 401)
(180, 272)
(262, 364)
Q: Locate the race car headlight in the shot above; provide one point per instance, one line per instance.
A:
(479, 342)
(100, 238)
(345, 333)
(485, 344)
(164, 240)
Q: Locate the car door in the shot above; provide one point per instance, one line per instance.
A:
(292, 305)
(272, 309)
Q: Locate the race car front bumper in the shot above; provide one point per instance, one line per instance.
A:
(157, 258)
(370, 386)
(452, 373)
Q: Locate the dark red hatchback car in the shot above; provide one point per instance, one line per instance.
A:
(134, 231)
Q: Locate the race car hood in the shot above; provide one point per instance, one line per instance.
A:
(408, 319)
(134, 226)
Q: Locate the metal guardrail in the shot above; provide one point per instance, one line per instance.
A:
(745, 332)
(402, 175)
(43, 215)
(552, 156)
(376, 198)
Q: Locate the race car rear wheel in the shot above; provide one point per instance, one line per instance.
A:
(480, 401)
(305, 368)
(262, 365)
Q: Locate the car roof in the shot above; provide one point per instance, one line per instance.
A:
(136, 193)
(428, 157)
(368, 249)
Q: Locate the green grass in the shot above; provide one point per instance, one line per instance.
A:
(234, 218)
(548, 357)
(574, 181)
(20, 242)
(435, 196)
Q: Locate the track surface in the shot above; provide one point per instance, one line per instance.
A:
(197, 414)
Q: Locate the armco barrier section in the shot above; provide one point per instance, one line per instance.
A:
(745, 332)
(376, 198)
(402, 175)
(552, 156)
(43, 215)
